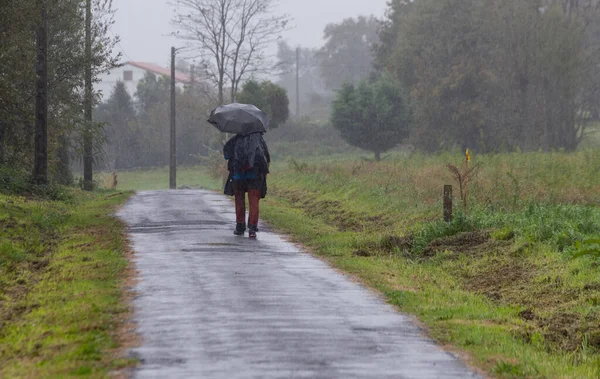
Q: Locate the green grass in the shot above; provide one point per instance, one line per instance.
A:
(498, 283)
(158, 179)
(62, 269)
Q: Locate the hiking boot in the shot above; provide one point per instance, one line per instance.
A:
(253, 230)
(240, 229)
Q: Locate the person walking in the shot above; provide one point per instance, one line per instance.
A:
(248, 164)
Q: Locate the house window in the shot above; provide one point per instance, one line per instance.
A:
(127, 76)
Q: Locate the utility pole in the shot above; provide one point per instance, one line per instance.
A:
(193, 79)
(173, 152)
(88, 155)
(298, 82)
(40, 166)
(2, 132)
(193, 73)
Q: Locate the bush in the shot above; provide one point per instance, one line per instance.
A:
(302, 138)
(374, 116)
(18, 182)
(13, 181)
(270, 98)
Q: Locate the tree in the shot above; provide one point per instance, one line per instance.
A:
(388, 33)
(65, 76)
(135, 133)
(230, 37)
(495, 75)
(40, 165)
(195, 138)
(151, 91)
(374, 116)
(315, 97)
(347, 56)
(270, 98)
(17, 102)
(117, 115)
(445, 72)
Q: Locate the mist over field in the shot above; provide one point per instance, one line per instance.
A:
(444, 152)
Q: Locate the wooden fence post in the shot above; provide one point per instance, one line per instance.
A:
(448, 203)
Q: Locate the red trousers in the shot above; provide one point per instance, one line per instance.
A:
(240, 205)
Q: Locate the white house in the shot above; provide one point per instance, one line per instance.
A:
(131, 73)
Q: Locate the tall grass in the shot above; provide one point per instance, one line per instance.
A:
(505, 181)
(541, 197)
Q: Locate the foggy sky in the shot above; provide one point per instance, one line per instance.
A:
(144, 25)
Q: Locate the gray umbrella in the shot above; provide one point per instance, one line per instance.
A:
(240, 119)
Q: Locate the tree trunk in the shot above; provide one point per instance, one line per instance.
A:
(298, 82)
(64, 163)
(221, 95)
(2, 138)
(173, 136)
(88, 155)
(40, 168)
(377, 156)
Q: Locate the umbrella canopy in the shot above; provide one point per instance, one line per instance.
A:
(242, 119)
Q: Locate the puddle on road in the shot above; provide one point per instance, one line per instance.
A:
(217, 244)
(162, 227)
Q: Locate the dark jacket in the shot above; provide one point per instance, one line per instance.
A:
(248, 157)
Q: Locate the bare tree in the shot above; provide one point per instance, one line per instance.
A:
(229, 37)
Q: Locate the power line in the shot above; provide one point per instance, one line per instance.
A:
(124, 52)
(115, 35)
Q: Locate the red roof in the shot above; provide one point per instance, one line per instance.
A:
(179, 76)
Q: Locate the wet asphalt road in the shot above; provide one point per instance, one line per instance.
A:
(212, 305)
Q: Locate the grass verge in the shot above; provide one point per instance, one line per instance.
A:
(62, 269)
(499, 283)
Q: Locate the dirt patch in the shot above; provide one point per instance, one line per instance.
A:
(508, 279)
(501, 278)
(592, 287)
(461, 242)
(8, 223)
(472, 243)
(469, 243)
(528, 315)
(395, 243)
(390, 244)
(563, 331)
(362, 253)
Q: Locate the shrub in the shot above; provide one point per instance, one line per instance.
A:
(374, 116)
(18, 182)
